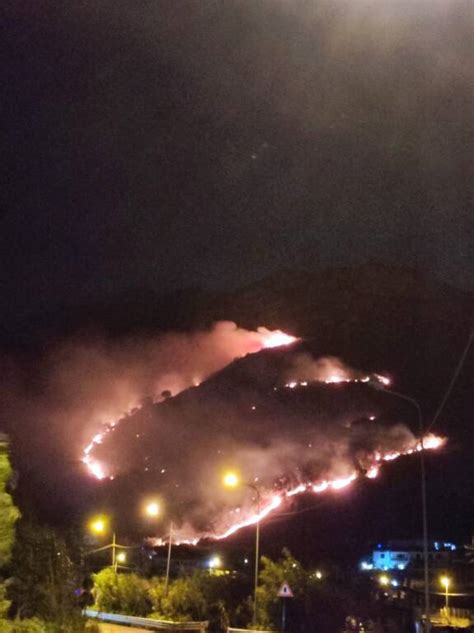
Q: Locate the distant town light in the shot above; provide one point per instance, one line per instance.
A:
(214, 562)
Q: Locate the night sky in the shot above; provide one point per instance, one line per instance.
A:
(169, 144)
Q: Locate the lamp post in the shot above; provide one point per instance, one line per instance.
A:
(153, 510)
(99, 526)
(231, 480)
(168, 560)
(257, 550)
(446, 581)
(380, 387)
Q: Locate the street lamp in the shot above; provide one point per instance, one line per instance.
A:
(231, 480)
(379, 386)
(99, 526)
(153, 510)
(446, 581)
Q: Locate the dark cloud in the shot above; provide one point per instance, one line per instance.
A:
(218, 143)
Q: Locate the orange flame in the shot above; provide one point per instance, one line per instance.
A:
(266, 339)
(430, 442)
(275, 501)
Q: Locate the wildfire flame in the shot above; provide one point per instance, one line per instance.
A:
(275, 338)
(275, 501)
(335, 379)
(263, 338)
(272, 501)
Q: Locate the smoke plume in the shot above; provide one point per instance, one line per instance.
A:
(168, 416)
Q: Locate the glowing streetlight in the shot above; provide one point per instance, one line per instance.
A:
(98, 525)
(446, 581)
(232, 480)
(121, 558)
(152, 509)
(319, 575)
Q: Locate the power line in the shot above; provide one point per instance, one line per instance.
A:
(454, 378)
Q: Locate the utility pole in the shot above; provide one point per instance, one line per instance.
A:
(168, 562)
(114, 556)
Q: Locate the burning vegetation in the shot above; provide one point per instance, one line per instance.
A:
(288, 423)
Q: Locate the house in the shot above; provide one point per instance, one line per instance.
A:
(398, 555)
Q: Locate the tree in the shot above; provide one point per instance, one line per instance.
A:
(44, 576)
(198, 597)
(320, 603)
(271, 577)
(218, 618)
(9, 513)
(184, 601)
(121, 593)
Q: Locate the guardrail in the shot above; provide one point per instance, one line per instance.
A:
(232, 630)
(145, 623)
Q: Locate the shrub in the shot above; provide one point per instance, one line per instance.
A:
(121, 593)
(32, 625)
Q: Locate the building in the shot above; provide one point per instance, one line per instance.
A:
(398, 555)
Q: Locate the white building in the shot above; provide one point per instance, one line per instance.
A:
(397, 555)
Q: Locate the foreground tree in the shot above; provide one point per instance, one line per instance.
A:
(9, 513)
(271, 577)
(44, 578)
(121, 593)
(197, 597)
(184, 601)
(320, 602)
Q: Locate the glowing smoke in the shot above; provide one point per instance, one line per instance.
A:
(240, 420)
(289, 442)
(305, 370)
(175, 363)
